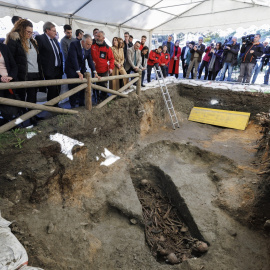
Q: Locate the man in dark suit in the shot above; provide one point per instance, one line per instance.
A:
(78, 52)
(183, 58)
(51, 58)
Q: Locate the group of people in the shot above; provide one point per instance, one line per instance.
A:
(25, 58)
(219, 58)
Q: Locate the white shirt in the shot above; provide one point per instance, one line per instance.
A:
(186, 51)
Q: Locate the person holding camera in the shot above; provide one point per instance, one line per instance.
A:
(260, 62)
(215, 61)
(196, 57)
(251, 50)
(230, 54)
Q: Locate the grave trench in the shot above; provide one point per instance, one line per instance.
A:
(176, 162)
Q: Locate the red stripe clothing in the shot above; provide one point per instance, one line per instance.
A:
(164, 59)
(101, 54)
(153, 58)
(207, 58)
(141, 47)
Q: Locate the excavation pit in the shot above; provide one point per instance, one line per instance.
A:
(79, 213)
(169, 226)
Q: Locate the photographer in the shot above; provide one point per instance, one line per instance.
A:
(196, 57)
(260, 63)
(251, 51)
(231, 50)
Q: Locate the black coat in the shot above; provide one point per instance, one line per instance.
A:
(126, 47)
(183, 53)
(230, 56)
(9, 62)
(16, 49)
(47, 55)
(251, 57)
(75, 60)
(15, 46)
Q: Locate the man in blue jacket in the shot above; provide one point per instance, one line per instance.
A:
(75, 67)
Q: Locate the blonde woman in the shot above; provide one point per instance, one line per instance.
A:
(119, 59)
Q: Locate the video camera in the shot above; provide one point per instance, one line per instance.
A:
(248, 39)
(227, 43)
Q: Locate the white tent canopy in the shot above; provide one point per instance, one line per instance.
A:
(143, 16)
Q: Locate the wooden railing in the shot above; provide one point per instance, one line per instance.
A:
(86, 83)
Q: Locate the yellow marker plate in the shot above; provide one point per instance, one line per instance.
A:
(230, 119)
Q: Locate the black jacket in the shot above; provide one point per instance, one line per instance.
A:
(75, 60)
(183, 53)
(266, 57)
(200, 51)
(15, 46)
(47, 55)
(9, 62)
(230, 56)
(126, 46)
(251, 57)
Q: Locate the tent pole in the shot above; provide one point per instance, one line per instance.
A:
(150, 40)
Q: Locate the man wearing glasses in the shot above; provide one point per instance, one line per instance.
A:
(51, 58)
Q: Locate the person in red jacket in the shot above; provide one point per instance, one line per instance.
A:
(205, 62)
(101, 55)
(164, 61)
(174, 63)
(143, 40)
(153, 60)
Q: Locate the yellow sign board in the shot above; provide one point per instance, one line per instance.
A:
(230, 119)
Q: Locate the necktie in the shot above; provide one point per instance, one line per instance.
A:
(135, 62)
(56, 54)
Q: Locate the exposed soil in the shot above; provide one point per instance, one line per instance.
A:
(78, 214)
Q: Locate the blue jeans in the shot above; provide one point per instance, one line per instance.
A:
(256, 71)
(143, 75)
(266, 76)
(223, 70)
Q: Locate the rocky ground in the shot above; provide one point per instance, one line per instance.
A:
(79, 214)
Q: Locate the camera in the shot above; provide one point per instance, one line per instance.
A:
(227, 43)
(248, 39)
(212, 45)
(198, 46)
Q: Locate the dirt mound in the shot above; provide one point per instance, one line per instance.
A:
(75, 214)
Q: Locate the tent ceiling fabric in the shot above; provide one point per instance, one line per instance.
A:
(159, 16)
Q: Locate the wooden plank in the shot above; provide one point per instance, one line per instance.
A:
(88, 93)
(223, 118)
(43, 83)
(32, 113)
(138, 86)
(110, 78)
(103, 103)
(24, 104)
(101, 88)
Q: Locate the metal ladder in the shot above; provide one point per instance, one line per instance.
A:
(166, 97)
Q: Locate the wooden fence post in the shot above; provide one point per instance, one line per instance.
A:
(139, 83)
(88, 93)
